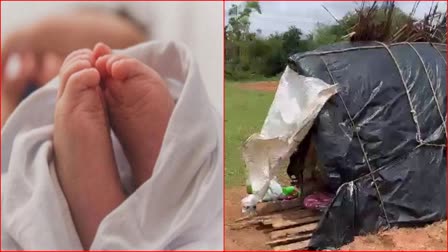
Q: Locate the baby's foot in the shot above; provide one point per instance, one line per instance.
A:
(139, 107)
(85, 163)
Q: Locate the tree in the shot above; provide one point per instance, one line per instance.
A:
(292, 41)
(239, 23)
(328, 34)
(237, 37)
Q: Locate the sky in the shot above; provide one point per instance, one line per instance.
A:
(278, 16)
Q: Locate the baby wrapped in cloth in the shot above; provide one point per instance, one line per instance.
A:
(178, 208)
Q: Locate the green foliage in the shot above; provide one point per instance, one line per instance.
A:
(328, 34)
(238, 27)
(258, 56)
(252, 56)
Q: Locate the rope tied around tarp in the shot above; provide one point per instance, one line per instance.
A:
(366, 158)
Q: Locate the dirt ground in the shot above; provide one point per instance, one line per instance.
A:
(432, 237)
(244, 239)
(268, 86)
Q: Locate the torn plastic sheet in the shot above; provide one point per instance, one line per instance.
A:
(382, 139)
(296, 104)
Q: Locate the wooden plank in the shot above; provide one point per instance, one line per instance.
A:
(285, 219)
(295, 238)
(278, 206)
(251, 221)
(277, 217)
(267, 222)
(244, 218)
(282, 224)
(301, 245)
(293, 231)
(295, 214)
(247, 223)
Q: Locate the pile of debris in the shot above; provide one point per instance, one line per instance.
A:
(288, 225)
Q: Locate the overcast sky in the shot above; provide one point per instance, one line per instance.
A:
(278, 16)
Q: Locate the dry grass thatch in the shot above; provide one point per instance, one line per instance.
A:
(432, 28)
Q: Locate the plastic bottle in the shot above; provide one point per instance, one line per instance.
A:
(288, 190)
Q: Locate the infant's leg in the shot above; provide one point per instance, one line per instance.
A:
(85, 162)
(140, 107)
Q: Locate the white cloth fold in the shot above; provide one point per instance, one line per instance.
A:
(179, 208)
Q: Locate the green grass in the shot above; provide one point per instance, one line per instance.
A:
(245, 111)
(255, 79)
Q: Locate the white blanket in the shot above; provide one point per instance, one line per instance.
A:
(179, 208)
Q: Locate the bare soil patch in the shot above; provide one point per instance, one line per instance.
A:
(432, 237)
(267, 86)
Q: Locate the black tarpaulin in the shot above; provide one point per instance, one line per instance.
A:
(382, 139)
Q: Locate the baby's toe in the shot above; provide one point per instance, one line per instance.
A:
(101, 65)
(75, 55)
(68, 70)
(100, 49)
(104, 65)
(75, 62)
(129, 68)
(82, 80)
(74, 67)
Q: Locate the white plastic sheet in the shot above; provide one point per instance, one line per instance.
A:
(296, 105)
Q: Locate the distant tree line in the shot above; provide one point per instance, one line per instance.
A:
(249, 55)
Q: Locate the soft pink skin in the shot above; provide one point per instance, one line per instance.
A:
(99, 90)
(85, 163)
(139, 106)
